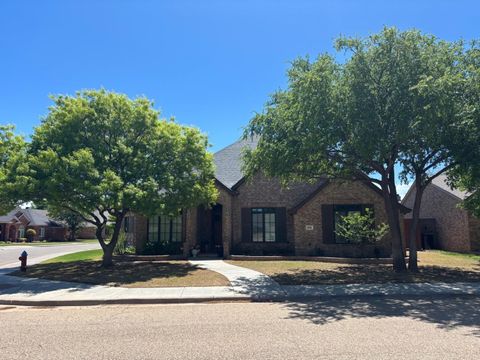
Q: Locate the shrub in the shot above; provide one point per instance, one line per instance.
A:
(123, 247)
(360, 229)
(30, 232)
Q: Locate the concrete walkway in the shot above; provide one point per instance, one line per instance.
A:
(243, 280)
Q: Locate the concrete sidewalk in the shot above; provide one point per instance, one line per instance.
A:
(38, 292)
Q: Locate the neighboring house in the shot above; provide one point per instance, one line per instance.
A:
(443, 223)
(14, 225)
(259, 217)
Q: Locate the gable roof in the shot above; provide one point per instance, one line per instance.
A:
(34, 217)
(38, 217)
(441, 182)
(228, 161)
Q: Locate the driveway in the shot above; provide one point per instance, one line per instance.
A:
(9, 254)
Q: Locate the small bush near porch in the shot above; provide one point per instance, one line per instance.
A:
(85, 267)
(434, 266)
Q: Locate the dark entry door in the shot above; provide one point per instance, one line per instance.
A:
(217, 229)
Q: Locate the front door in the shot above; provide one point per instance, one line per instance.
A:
(217, 230)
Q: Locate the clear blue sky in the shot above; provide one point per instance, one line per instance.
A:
(210, 64)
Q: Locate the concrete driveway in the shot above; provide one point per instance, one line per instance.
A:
(9, 254)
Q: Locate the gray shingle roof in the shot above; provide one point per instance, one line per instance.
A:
(35, 217)
(441, 182)
(228, 161)
(38, 217)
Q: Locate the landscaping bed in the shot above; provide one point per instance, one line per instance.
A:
(435, 266)
(84, 267)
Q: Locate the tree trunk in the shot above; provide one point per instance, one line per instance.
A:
(412, 234)
(107, 259)
(392, 209)
(72, 236)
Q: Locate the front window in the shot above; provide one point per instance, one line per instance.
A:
(165, 229)
(21, 232)
(263, 225)
(128, 224)
(42, 232)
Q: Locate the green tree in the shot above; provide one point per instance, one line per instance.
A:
(101, 155)
(358, 228)
(12, 156)
(444, 120)
(353, 119)
(73, 220)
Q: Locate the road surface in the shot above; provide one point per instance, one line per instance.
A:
(10, 254)
(337, 328)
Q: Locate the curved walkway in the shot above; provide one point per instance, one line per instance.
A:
(243, 280)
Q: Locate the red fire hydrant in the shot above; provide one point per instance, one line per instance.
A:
(23, 261)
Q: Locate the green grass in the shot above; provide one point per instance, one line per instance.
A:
(49, 243)
(85, 267)
(89, 255)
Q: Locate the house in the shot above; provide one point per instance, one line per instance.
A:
(259, 217)
(13, 226)
(443, 223)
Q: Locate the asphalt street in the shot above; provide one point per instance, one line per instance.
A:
(10, 254)
(333, 328)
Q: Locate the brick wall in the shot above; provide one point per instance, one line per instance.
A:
(87, 232)
(264, 192)
(311, 242)
(451, 221)
(474, 230)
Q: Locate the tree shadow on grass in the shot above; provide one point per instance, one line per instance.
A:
(446, 312)
(122, 273)
(371, 274)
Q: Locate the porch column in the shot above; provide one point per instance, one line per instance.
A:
(190, 231)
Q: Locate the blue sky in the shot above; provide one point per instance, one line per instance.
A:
(211, 64)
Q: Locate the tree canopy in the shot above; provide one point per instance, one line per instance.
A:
(12, 151)
(101, 155)
(386, 105)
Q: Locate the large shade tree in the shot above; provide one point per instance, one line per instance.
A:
(356, 118)
(102, 155)
(12, 152)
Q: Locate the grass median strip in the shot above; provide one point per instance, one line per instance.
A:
(435, 266)
(84, 267)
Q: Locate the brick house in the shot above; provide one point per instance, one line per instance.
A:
(14, 225)
(259, 217)
(443, 223)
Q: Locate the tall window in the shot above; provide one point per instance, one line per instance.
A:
(263, 225)
(165, 229)
(42, 232)
(21, 231)
(128, 224)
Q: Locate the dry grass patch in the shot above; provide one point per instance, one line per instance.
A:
(435, 266)
(84, 267)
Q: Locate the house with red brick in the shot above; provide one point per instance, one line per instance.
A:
(260, 217)
(443, 223)
(14, 226)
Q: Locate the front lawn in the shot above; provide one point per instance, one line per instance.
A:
(84, 267)
(435, 266)
(49, 243)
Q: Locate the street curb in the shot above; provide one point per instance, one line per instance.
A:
(223, 299)
(124, 301)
